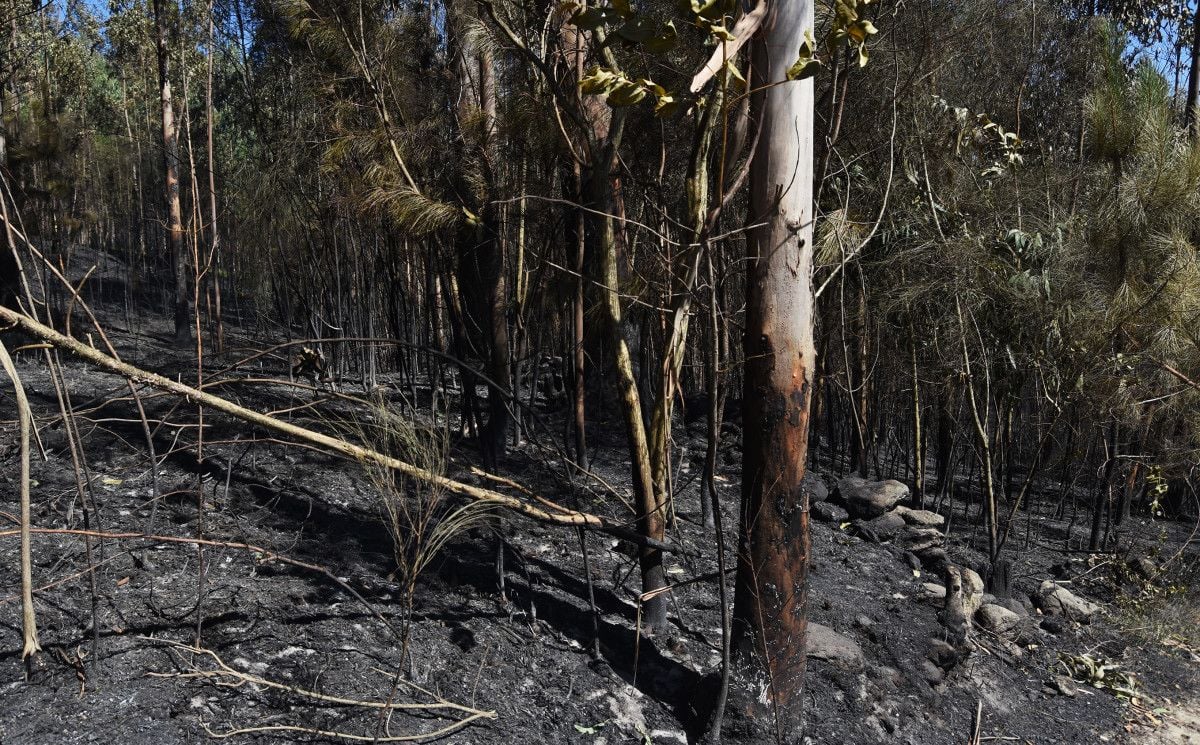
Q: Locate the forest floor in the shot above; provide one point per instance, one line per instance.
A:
(117, 668)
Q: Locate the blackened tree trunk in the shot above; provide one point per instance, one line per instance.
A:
(770, 625)
(481, 252)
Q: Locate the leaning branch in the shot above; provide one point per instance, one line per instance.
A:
(745, 28)
(557, 515)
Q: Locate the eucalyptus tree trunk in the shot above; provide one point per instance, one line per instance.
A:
(652, 512)
(917, 434)
(170, 137)
(770, 625)
(214, 240)
(481, 253)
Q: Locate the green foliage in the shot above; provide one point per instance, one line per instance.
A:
(1101, 673)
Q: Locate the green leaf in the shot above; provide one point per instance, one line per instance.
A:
(598, 81)
(666, 106)
(805, 65)
(803, 69)
(623, 8)
(652, 86)
(735, 75)
(720, 32)
(844, 14)
(834, 39)
(711, 10)
(860, 30)
(626, 93)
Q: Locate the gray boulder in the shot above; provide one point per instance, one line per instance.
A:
(815, 486)
(826, 644)
(829, 512)
(918, 539)
(883, 528)
(933, 593)
(921, 518)
(943, 654)
(1014, 605)
(1056, 600)
(870, 499)
(997, 619)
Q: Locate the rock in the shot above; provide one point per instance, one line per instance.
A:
(933, 593)
(881, 529)
(816, 488)
(1056, 600)
(627, 713)
(920, 539)
(921, 518)
(943, 654)
(829, 512)
(933, 559)
(1013, 605)
(868, 627)
(931, 672)
(972, 585)
(1144, 568)
(997, 619)
(826, 644)
(889, 677)
(1053, 624)
(870, 499)
(1064, 685)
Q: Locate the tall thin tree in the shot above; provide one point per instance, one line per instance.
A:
(770, 624)
(170, 139)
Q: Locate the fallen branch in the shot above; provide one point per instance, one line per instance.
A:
(227, 676)
(559, 516)
(25, 414)
(225, 671)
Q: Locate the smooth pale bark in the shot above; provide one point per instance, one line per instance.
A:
(770, 624)
(170, 138)
(29, 630)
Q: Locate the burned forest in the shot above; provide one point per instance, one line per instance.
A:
(600, 371)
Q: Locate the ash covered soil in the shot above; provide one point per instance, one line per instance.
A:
(306, 644)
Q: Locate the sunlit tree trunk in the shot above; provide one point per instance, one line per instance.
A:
(170, 137)
(770, 623)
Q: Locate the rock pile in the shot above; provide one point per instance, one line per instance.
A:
(874, 512)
